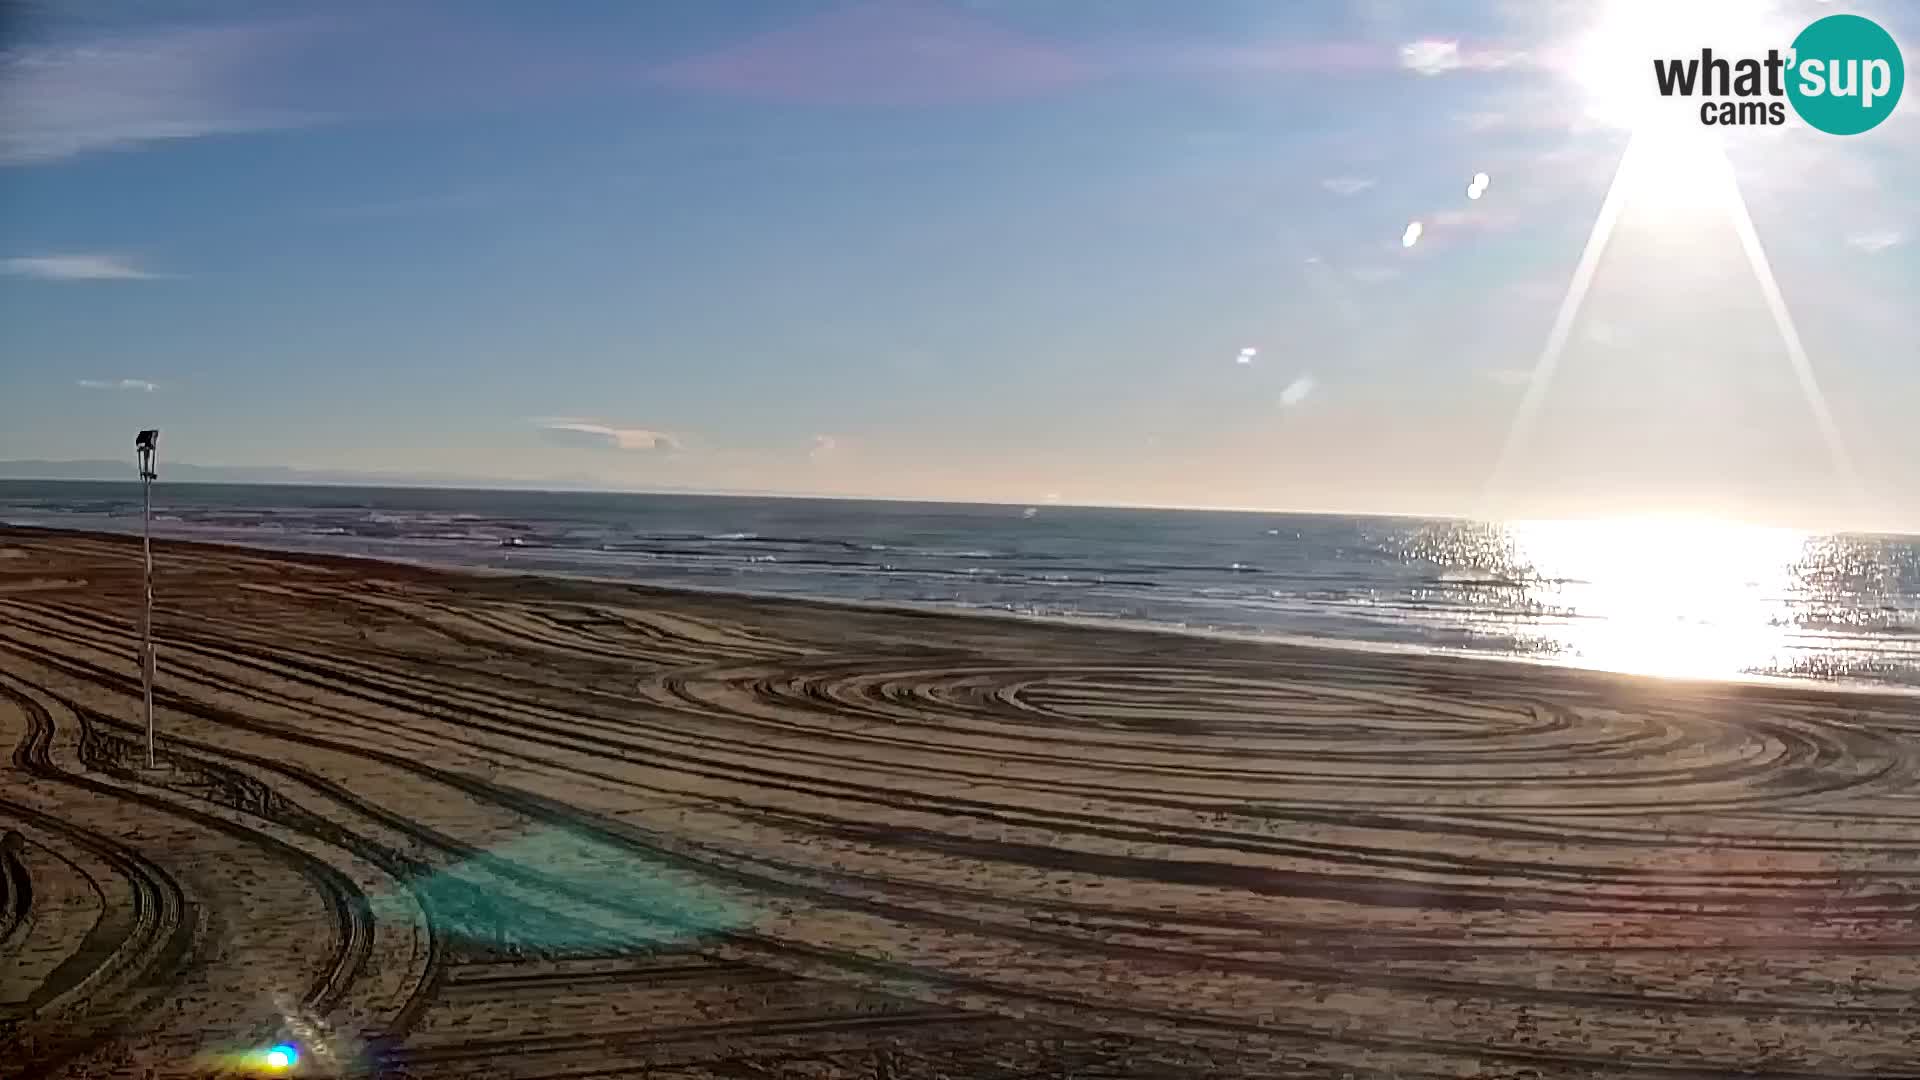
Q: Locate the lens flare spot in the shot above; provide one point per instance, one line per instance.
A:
(1296, 391)
(1412, 235)
(281, 1058)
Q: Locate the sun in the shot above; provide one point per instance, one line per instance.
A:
(1675, 167)
(1611, 60)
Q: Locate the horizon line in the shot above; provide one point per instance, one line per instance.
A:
(482, 484)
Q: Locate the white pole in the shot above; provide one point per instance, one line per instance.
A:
(146, 445)
(146, 622)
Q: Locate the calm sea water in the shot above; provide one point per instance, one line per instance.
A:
(1662, 597)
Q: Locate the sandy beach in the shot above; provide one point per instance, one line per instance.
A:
(429, 824)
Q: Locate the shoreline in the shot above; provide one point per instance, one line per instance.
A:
(1336, 646)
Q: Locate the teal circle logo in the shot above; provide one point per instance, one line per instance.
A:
(1846, 75)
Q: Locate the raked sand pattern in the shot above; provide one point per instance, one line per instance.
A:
(432, 825)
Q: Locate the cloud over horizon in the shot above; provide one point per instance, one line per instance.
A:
(1347, 185)
(143, 385)
(824, 447)
(594, 435)
(1432, 56)
(77, 267)
(1875, 241)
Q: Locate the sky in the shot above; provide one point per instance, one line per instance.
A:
(1089, 251)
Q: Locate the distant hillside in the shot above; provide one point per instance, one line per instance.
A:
(184, 472)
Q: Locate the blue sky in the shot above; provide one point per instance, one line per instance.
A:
(994, 250)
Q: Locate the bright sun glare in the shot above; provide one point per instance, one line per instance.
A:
(1663, 596)
(1612, 60)
(1675, 166)
(1673, 169)
(1686, 597)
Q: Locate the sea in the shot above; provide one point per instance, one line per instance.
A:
(1673, 596)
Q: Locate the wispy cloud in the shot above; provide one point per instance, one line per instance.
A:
(1507, 376)
(824, 447)
(116, 92)
(1430, 57)
(594, 435)
(142, 385)
(77, 267)
(1875, 241)
(1347, 185)
(1433, 56)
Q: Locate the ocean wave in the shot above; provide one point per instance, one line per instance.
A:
(1860, 625)
(1343, 578)
(1471, 576)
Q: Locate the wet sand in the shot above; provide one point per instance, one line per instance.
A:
(431, 824)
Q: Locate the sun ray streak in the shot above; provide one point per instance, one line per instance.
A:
(1630, 176)
(1790, 337)
(1570, 304)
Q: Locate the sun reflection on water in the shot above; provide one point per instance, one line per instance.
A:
(1684, 597)
(1671, 597)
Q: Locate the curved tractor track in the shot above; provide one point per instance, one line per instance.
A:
(424, 824)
